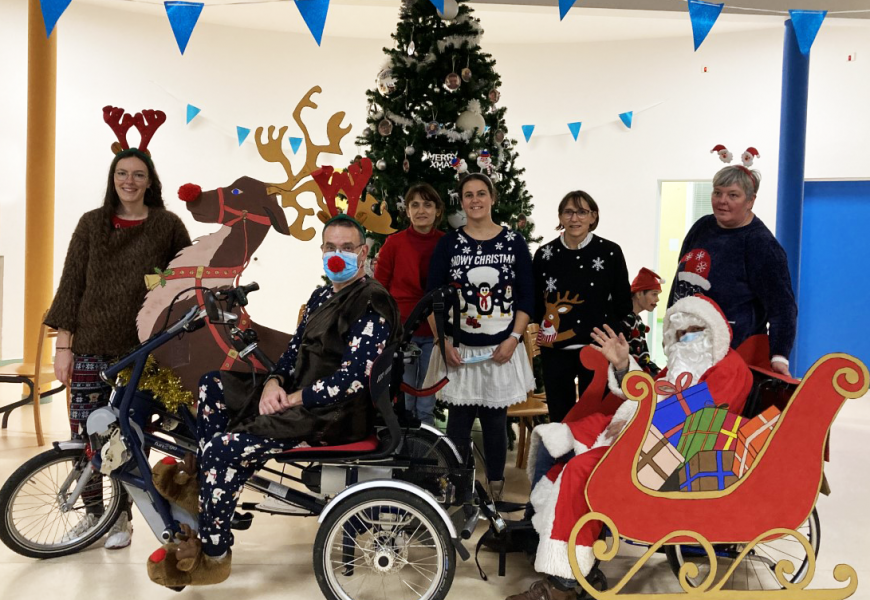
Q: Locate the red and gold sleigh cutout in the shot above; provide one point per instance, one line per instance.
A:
(754, 505)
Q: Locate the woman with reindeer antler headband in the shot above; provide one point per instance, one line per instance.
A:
(102, 286)
(732, 257)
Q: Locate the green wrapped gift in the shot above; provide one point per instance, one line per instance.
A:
(701, 430)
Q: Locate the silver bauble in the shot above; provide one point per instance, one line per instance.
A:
(386, 82)
(409, 150)
(472, 156)
(451, 10)
(382, 165)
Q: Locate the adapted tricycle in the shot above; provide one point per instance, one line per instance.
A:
(393, 508)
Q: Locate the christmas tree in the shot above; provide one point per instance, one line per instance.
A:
(435, 113)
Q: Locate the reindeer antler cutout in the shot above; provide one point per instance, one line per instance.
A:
(120, 122)
(147, 122)
(271, 150)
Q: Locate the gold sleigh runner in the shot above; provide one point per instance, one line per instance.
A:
(711, 587)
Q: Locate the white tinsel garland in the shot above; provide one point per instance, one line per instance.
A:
(399, 120)
(457, 41)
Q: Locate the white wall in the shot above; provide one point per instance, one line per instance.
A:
(251, 78)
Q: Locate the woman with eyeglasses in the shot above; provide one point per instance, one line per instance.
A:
(581, 282)
(101, 291)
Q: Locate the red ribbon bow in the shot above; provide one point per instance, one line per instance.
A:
(664, 387)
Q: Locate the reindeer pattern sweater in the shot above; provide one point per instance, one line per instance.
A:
(578, 289)
(103, 283)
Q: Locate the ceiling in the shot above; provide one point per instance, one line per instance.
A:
(511, 21)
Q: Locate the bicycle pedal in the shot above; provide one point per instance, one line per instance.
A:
(241, 521)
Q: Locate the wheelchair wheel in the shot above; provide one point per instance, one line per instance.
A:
(424, 443)
(383, 544)
(33, 523)
(756, 571)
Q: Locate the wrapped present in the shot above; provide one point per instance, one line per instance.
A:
(708, 470)
(727, 438)
(671, 413)
(657, 461)
(751, 438)
(701, 431)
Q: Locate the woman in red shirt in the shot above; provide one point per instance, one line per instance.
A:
(403, 268)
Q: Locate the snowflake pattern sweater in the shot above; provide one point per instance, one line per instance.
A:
(745, 270)
(495, 279)
(578, 289)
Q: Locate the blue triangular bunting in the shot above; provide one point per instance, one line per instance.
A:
(806, 25)
(575, 129)
(626, 118)
(564, 7)
(439, 5)
(242, 133)
(703, 16)
(527, 131)
(182, 18)
(192, 111)
(295, 142)
(314, 14)
(51, 12)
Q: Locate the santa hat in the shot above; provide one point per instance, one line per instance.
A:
(696, 268)
(705, 309)
(646, 280)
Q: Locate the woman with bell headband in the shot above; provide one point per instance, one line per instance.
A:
(102, 287)
(732, 257)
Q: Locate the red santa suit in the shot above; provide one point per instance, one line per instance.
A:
(559, 498)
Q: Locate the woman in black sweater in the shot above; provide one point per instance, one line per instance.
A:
(581, 282)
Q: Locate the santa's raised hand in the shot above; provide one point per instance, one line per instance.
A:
(614, 347)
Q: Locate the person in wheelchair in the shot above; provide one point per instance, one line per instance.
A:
(697, 341)
(318, 394)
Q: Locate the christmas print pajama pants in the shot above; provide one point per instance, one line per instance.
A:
(226, 461)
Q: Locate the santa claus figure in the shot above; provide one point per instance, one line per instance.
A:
(749, 156)
(724, 153)
(697, 341)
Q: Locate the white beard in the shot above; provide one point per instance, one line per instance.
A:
(694, 357)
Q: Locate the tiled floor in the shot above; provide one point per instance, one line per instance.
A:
(273, 559)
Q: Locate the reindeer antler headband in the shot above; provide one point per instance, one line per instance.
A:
(147, 122)
(353, 182)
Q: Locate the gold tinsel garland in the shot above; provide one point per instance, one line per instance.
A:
(163, 383)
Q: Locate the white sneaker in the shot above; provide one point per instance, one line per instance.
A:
(121, 533)
(274, 505)
(80, 528)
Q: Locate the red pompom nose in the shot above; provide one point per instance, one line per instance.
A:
(335, 264)
(158, 556)
(189, 192)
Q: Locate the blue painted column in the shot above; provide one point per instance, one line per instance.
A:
(792, 153)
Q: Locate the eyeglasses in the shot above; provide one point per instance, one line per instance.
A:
(138, 176)
(345, 248)
(582, 213)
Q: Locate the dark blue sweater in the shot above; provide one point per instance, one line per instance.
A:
(745, 271)
(495, 278)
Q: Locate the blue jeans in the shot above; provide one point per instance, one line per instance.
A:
(423, 407)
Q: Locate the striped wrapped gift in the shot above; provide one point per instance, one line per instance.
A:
(751, 438)
(657, 461)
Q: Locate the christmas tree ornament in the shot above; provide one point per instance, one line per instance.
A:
(460, 165)
(457, 219)
(496, 177)
(441, 161)
(466, 74)
(406, 165)
(494, 96)
(451, 10)
(471, 119)
(452, 82)
(724, 153)
(484, 161)
(385, 127)
(433, 128)
(472, 156)
(507, 145)
(382, 165)
(401, 204)
(411, 46)
(498, 136)
(749, 156)
(409, 150)
(386, 82)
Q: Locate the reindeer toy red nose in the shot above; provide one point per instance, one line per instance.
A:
(336, 264)
(189, 192)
